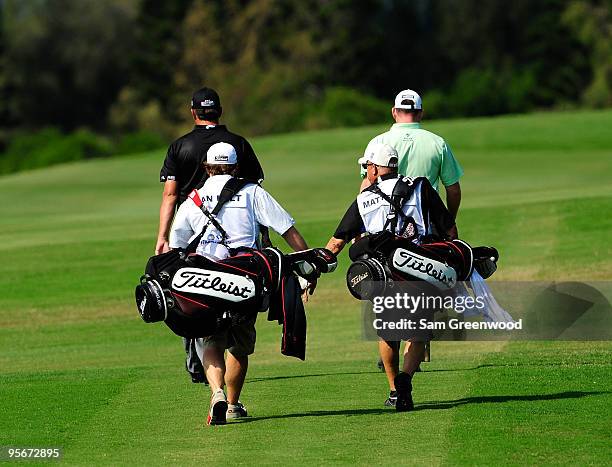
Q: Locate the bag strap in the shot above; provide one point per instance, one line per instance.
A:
(229, 190)
(402, 191)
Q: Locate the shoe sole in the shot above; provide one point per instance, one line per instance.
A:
(235, 416)
(218, 416)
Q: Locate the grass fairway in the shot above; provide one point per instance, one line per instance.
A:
(79, 369)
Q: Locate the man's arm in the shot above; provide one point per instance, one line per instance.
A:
(335, 245)
(450, 173)
(350, 227)
(294, 239)
(166, 213)
(453, 198)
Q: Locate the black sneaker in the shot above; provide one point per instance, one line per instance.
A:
(390, 402)
(380, 364)
(403, 387)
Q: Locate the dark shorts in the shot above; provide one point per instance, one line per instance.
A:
(238, 340)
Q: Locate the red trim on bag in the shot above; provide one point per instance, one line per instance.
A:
(397, 276)
(458, 249)
(284, 315)
(436, 243)
(195, 197)
(267, 264)
(190, 300)
(239, 269)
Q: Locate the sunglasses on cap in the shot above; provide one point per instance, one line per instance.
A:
(366, 165)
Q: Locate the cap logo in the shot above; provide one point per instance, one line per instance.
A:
(207, 103)
(221, 157)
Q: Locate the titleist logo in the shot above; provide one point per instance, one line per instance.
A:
(189, 279)
(357, 279)
(404, 259)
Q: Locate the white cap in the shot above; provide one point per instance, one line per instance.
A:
(221, 153)
(379, 154)
(409, 100)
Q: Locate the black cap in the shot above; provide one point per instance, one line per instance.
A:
(205, 98)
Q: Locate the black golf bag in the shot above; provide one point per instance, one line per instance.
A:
(196, 296)
(382, 258)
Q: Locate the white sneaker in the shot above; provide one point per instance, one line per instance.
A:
(218, 408)
(235, 411)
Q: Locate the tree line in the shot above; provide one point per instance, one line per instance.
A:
(128, 67)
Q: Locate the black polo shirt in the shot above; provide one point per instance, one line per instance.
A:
(184, 159)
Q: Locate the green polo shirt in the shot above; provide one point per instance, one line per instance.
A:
(421, 154)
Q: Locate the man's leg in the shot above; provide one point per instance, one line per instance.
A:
(381, 365)
(243, 339)
(214, 366)
(389, 354)
(413, 356)
(235, 374)
(427, 352)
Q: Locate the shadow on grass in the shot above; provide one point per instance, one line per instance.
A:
(493, 365)
(319, 413)
(316, 375)
(432, 405)
(500, 399)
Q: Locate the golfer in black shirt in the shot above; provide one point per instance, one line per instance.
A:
(182, 170)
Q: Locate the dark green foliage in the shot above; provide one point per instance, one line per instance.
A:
(64, 61)
(124, 66)
(343, 107)
(50, 146)
(139, 142)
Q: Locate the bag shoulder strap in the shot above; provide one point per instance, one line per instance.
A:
(229, 190)
(402, 191)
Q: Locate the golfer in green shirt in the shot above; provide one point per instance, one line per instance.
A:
(421, 152)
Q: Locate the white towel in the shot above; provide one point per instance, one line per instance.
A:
(492, 311)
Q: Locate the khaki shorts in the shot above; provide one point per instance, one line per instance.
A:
(238, 340)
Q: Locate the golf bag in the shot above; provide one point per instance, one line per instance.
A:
(197, 297)
(382, 258)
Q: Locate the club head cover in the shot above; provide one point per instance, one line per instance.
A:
(485, 260)
(311, 263)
